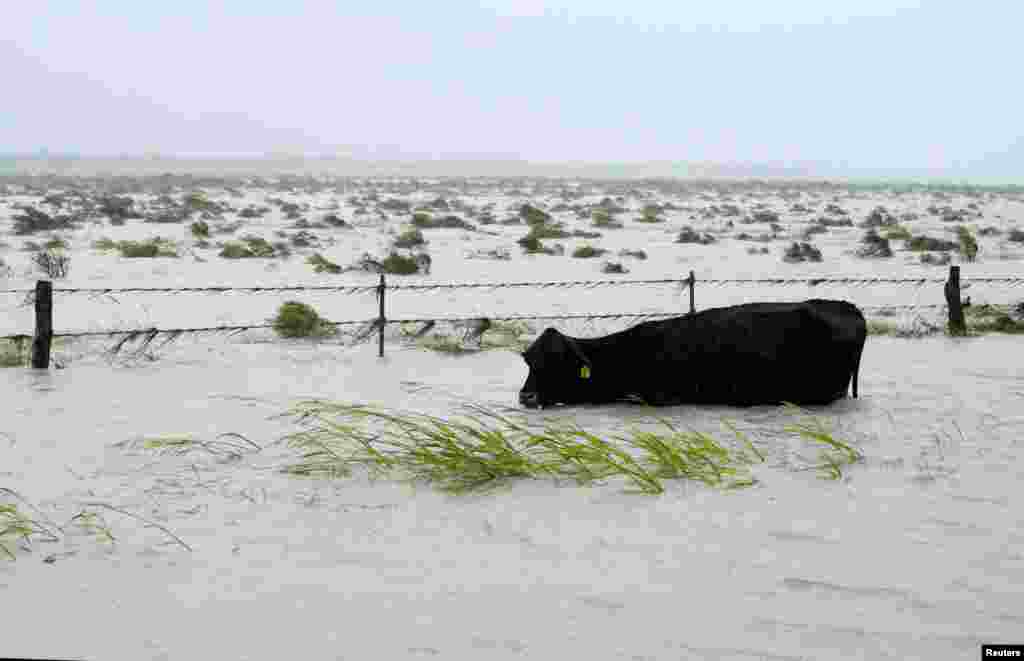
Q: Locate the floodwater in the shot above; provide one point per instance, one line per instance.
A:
(914, 553)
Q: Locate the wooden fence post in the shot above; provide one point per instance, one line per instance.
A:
(692, 280)
(381, 320)
(956, 311)
(44, 325)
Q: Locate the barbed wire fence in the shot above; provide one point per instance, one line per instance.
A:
(357, 331)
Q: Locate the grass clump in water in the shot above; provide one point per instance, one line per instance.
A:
(585, 252)
(835, 453)
(410, 239)
(990, 319)
(234, 447)
(967, 244)
(321, 264)
(12, 353)
(104, 244)
(295, 319)
(200, 229)
(897, 232)
(154, 247)
(253, 246)
(18, 528)
(485, 449)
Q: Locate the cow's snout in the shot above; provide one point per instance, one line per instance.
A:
(530, 400)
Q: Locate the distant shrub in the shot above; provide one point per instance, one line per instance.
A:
(897, 232)
(253, 212)
(543, 231)
(835, 222)
(253, 246)
(54, 264)
(154, 247)
(879, 217)
(638, 254)
(400, 264)
(874, 245)
(754, 250)
(688, 235)
(929, 243)
(935, 260)
(530, 243)
(304, 239)
(321, 264)
(613, 267)
(532, 215)
(117, 209)
(801, 252)
(1015, 235)
(394, 205)
(200, 229)
(425, 221)
(235, 250)
(334, 220)
(968, 245)
(989, 231)
(602, 218)
(650, 214)
(295, 319)
(196, 202)
(227, 228)
(584, 252)
(32, 220)
(410, 239)
(56, 243)
(583, 234)
(12, 353)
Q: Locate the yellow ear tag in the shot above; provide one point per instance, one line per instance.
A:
(584, 372)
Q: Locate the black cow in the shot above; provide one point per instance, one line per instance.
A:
(757, 353)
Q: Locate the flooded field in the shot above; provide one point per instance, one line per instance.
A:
(913, 552)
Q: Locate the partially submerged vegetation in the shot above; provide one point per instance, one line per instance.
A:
(484, 448)
(253, 246)
(296, 319)
(22, 524)
(153, 247)
(321, 264)
(13, 352)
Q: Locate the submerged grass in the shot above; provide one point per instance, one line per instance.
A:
(227, 446)
(834, 454)
(485, 449)
(18, 529)
(13, 353)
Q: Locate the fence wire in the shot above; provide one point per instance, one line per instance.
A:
(374, 324)
(369, 326)
(586, 284)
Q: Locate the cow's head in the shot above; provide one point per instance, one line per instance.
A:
(559, 372)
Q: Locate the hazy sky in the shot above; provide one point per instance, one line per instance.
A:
(872, 83)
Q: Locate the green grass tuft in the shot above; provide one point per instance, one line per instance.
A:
(295, 319)
(485, 449)
(835, 453)
(321, 264)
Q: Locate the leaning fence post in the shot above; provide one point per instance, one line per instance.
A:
(381, 319)
(44, 324)
(691, 281)
(956, 311)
